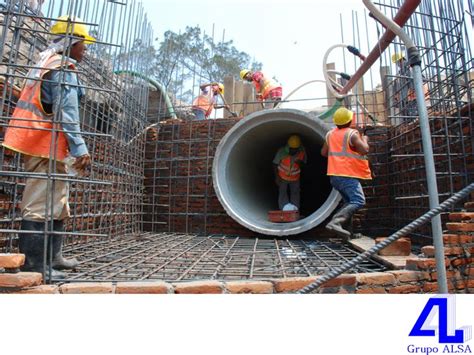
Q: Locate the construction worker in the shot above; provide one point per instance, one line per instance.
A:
(207, 100)
(287, 167)
(45, 128)
(404, 91)
(266, 87)
(347, 153)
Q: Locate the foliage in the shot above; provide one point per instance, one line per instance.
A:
(184, 60)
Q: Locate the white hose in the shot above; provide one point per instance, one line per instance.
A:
(298, 88)
(325, 72)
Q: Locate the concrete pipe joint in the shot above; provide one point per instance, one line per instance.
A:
(243, 172)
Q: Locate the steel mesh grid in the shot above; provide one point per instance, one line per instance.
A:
(179, 257)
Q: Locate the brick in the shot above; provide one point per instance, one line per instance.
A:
(257, 287)
(410, 276)
(469, 206)
(404, 289)
(151, 287)
(462, 261)
(199, 287)
(400, 247)
(462, 284)
(371, 290)
(461, 216)
(11, 261)
(457, 239)
(430, 287)
(469, 271)
(21, 280)
(460, 227)
(292, 284)
(40, 290)
(450, 274)
(429, 250)
(423, 263)
(376, 278)
(87, 288)
(341, 280)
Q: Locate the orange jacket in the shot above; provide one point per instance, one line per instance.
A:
(268, 84)
(289, 168)
(342, 159)
(30, 128)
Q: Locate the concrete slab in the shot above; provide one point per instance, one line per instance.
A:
(393, 262)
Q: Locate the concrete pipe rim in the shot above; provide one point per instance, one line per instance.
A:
(224, 149)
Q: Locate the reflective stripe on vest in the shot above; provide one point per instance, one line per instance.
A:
(342, 159)
(288, 169)
(31, 132)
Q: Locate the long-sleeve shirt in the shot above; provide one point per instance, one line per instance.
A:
(67, 105)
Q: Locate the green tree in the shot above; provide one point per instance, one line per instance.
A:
(193, 57)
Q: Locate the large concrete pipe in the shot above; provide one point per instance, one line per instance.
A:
(243, 171)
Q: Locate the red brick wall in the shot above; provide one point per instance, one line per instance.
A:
(179, 194)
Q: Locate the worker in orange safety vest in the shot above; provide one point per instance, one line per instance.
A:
(287, 167)
(267, 88)
(346, 151)
(45, 128)
(404, 90)
(207, 100)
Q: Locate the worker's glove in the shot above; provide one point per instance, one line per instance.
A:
(82, 163)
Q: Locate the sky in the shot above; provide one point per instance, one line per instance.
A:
(288, 37)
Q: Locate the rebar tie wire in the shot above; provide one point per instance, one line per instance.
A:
(397, 235)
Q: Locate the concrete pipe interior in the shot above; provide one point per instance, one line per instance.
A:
(244, 178)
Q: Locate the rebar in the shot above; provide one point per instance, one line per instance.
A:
(109, 200)
(179, 257)
(426, 218)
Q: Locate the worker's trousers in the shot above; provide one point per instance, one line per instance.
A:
(294, 196)
(350, 190)
(40, 203)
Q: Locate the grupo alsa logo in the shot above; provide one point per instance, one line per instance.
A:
(449, 339)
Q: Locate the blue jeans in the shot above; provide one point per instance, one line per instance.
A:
(350, 189)
(200, 114)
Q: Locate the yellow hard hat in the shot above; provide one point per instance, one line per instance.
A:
(342, 116)
(243, 73)
(294, 141)
(397, 56)
(221, 88)
(73, 26)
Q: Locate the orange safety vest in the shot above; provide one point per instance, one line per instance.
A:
(342, 159)
(203, 103)
(30, 128)
(289, 169)
(268, 85)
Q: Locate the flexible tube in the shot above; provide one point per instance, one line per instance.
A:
(156, 84)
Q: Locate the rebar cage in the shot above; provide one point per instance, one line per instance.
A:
(109, 200)
(150, 177)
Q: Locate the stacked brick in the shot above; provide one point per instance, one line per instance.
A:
(392, 282)
(179, 195)
(458, 251)
(454, 160)
(11, 279)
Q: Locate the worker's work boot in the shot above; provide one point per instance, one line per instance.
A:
(59, 262)
(341, 217)
(32, 245)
